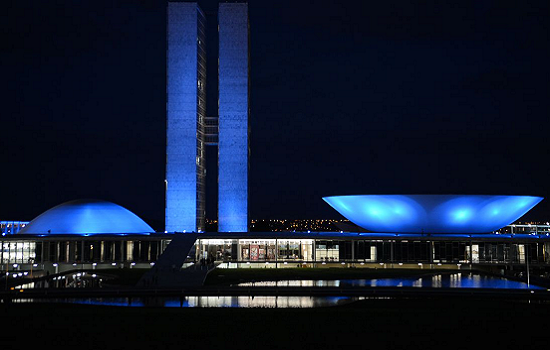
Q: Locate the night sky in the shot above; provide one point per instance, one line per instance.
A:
(383, 97)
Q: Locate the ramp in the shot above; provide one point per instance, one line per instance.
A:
(166, 272)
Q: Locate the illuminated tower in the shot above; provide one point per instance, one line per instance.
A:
(185, 113)
(233, 111)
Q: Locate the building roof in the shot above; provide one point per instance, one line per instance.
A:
(432, 213)
(87, 217)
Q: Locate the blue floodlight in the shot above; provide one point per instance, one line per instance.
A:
(432, 213)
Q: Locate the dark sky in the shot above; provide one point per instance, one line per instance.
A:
(346, 98)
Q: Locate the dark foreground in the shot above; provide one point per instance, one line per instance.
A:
(457, 323)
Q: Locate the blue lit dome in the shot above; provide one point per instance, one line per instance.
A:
(87, 217)
(432, 213)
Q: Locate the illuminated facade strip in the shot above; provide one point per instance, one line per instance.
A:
(185, 109)
(233, 118)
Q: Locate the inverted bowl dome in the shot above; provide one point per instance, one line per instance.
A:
(87, 216)
(432, 213)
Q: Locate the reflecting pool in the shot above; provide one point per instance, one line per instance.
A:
(438, 281)
(454, 280)
(282, 302)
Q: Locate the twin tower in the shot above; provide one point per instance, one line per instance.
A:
(189, 130)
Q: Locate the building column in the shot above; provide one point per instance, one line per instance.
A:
(71, 252)
(276, 252)
(314, 255)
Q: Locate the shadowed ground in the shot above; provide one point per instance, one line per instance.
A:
(383, 324)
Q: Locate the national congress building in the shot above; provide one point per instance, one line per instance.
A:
(391, 230)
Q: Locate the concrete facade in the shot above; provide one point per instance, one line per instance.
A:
(186, 73)
(233, 118)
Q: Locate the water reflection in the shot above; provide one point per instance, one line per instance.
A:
(455, 280)
(283, 302)
(292, 283)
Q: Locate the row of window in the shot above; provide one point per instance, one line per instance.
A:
(336, 250)
(267, 250)
(24, 252)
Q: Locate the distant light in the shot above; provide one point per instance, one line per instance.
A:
(381, 263)
(152, 264)
(25, 273)
(55, 265)
(400, 264)
(362, 263)
(133, 264)
(34, 265)
(285, 263)
(94, 264)
(74, 264)
(94, 275)
(114, 264)
(438, 264)
(343, 263)
(419, 264)
(324, 263)
(15, 265)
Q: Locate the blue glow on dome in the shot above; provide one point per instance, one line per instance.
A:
(432, 213)
(87, 217)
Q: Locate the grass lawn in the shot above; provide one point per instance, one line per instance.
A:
(123, 277)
